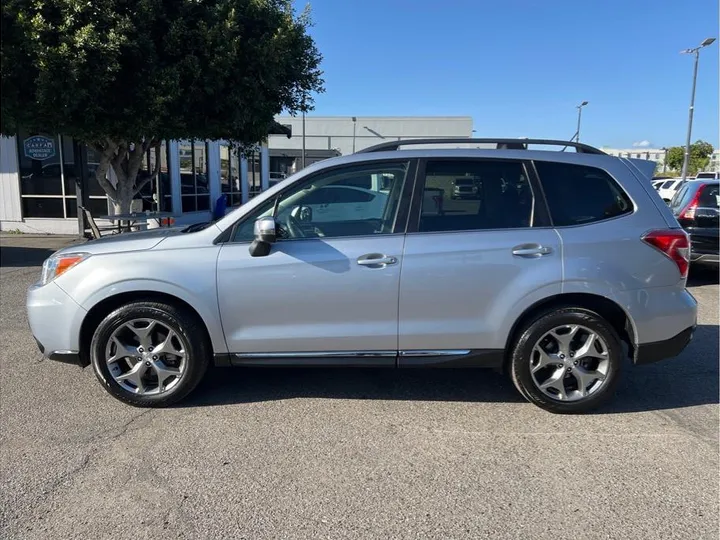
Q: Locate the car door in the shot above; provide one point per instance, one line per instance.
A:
(471, 269)
(328, 290)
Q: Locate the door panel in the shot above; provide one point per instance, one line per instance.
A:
(463, 290)
(471, 266)
(310, 295)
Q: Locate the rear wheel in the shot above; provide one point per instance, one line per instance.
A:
(150, 354)
(567, 361)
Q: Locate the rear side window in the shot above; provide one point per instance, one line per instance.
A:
(682, 197)
(667, 184)
(577, 194)
(709, 196)
(494, 195)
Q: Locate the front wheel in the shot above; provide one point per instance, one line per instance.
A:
(567, 361)
(150, 354)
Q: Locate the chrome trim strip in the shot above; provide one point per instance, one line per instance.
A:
(436, 352)
(319, 354)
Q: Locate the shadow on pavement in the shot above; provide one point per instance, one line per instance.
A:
(246, 385)
(686, 381)
(23, 256)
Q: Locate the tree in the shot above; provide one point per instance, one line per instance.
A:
(123, 75)
(700, 153)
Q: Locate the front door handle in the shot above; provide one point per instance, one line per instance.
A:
(376, 260)
(531, 251)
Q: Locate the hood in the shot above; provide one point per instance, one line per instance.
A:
(131, 241)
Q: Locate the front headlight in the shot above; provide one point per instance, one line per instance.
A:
(59, 264)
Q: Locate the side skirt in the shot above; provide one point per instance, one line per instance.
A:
(445, 358)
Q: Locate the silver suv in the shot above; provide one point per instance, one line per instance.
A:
(563, 265)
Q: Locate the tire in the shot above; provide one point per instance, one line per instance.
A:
(182, 358)
(562, 368)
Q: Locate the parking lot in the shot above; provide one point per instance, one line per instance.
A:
(352, 453)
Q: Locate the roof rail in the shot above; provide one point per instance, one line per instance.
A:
(501, 144)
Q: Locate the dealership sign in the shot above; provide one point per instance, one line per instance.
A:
(39, 147)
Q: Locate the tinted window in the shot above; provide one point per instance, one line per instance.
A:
(501, 197)
(667, 184)
(682, 197)
(316, 207)
(709, 196)
(577, 194)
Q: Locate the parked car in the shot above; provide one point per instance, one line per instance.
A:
(569, 263)
(668, 188)
(657, 183)
(696, 207)
(707, 175)
(466, 188)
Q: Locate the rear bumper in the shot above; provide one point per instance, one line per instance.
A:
(647, 353)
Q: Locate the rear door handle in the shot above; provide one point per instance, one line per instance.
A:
(531, 251)
(376, 259)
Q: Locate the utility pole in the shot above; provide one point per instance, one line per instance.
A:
(696, 52)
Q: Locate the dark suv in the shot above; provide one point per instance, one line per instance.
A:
(696, 206)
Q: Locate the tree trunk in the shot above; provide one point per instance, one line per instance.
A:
(124, 191)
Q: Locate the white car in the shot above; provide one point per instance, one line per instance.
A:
(348, 203)
(668, 188)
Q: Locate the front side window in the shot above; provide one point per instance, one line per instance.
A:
(577, 194)
(475, 195)
(327, 205)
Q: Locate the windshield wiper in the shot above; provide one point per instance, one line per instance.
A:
(197, 227)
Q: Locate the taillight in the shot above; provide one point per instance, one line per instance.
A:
(674, 243)
(689, 211)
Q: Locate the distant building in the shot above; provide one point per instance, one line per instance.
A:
(327, 136)
(652, 154)
(714, 165)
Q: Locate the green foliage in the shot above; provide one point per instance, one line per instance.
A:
(123, 75)
(700, 152)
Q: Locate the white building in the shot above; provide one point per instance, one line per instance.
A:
(326, 136)
(653, 154)
(44, 175)
(714, 165)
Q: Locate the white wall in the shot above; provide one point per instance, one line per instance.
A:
(336, 132)
(9, 181)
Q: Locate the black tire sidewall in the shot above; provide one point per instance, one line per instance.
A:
(176, 319)
(520, 360)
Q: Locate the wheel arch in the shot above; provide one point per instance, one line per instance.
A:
(104, 307)
(603, 306)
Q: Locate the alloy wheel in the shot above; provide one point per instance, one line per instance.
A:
(570, 363)
(146, 357)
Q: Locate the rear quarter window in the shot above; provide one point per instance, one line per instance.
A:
(578, 194)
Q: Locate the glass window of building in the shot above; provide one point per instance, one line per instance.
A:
(254, 175)
(230, 175)
(156, 194)
(97, 201)
(194, 185)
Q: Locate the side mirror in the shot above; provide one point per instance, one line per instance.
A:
(265, 230)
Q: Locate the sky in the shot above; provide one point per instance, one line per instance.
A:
(520, 67)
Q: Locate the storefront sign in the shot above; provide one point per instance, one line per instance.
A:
(39, 147)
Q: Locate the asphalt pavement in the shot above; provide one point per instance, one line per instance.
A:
(324, 453)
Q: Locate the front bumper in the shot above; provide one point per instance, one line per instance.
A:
(52, 315)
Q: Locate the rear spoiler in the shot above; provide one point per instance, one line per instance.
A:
(645, 166)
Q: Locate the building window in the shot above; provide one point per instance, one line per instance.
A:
(49, 173)
(254, 176)
(156, 195)
(194, 186)
(97, 201)
(230, 175)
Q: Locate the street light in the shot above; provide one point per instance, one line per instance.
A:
(696, 52)
(354, 119)
(579, 108)
(374, 132)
